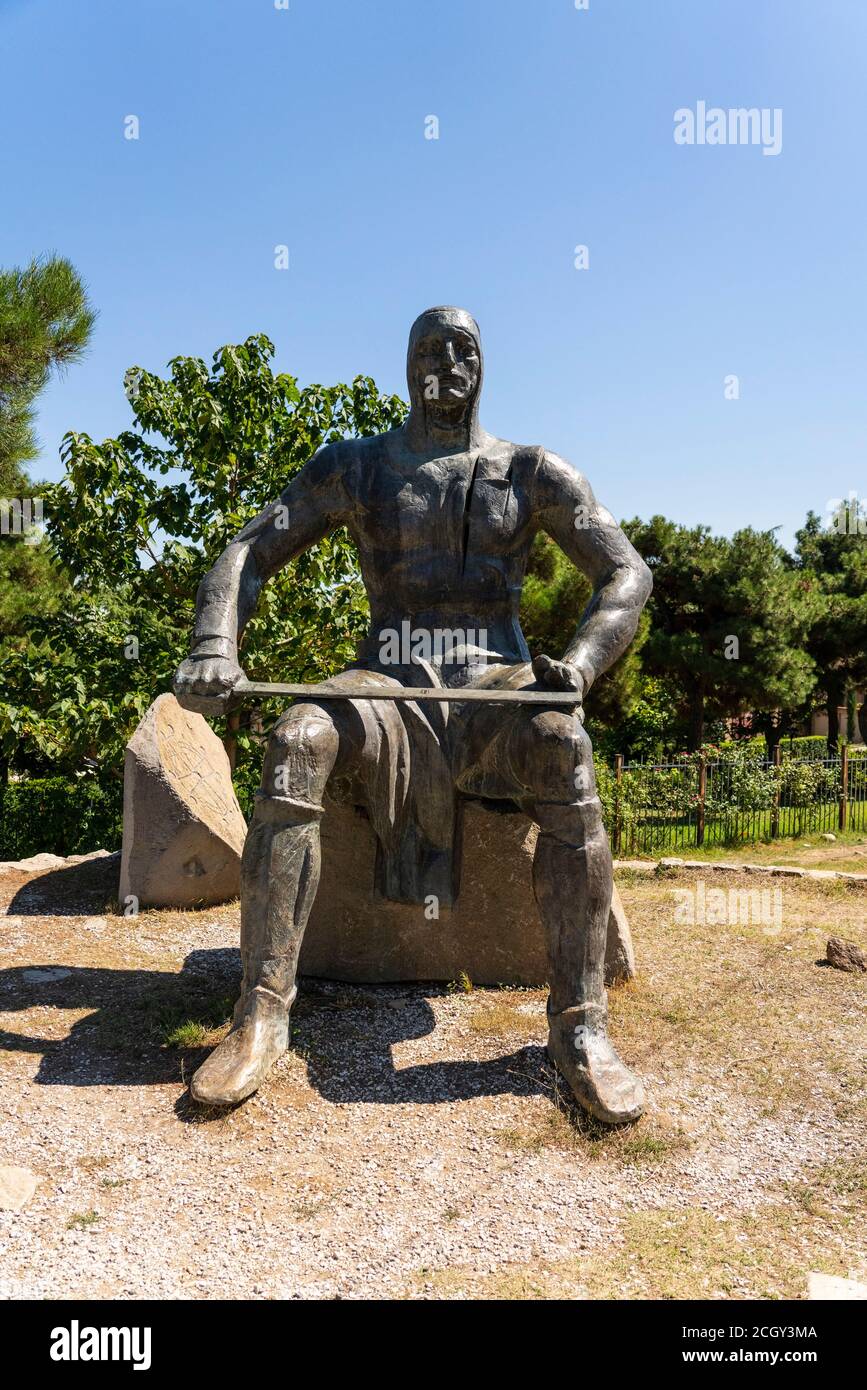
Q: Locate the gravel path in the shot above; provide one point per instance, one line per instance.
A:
(410, 1132)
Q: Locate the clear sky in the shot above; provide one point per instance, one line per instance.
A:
(305, 126)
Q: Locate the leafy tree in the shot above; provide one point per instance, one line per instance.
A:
(832, 564)
(728, 623)
(138, 520)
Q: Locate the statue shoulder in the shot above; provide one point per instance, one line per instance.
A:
(557, 481)
(330, 470)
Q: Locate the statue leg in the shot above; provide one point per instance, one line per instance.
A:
(279, 879)
(551, 757)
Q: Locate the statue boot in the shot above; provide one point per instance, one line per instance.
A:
(579, 1047)
(260, 1034)
(279, 875)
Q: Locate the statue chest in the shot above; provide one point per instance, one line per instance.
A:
(450, 516)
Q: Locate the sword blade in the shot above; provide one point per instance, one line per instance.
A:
(365, 690)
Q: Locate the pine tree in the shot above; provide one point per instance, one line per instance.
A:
(45, 325)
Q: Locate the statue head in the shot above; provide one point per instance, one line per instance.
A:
(444, 372)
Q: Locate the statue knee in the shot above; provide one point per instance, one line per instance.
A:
(553, 759)
(302, 751)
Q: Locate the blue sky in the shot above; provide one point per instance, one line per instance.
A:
(305, 127)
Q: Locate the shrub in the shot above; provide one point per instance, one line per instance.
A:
(60, 815)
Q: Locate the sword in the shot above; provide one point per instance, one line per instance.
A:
(364, 690)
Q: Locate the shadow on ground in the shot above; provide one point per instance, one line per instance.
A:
(76, 889)
(344, 1034)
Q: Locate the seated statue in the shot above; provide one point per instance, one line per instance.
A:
(443, 515)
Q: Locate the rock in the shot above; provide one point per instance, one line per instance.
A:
(493, 932)
(36, 863)
(828, 837)
(827, 1286)
(183, 830)
(619, 951)
(45, 975)
(845, 955)
(17, 1186)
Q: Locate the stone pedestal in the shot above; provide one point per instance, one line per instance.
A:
(493, 933)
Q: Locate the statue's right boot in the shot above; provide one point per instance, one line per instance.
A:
(279, 877)
(259, 1036)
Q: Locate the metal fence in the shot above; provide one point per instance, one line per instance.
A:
(694, 801)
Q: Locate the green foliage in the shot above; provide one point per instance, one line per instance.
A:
(138, 520)
(45, 324)
(709, 589)
(57, 815)
(832, 567)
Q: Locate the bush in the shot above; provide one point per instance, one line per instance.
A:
(805, 746)
(59, 815)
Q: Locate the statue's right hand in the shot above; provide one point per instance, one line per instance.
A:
(204, 684)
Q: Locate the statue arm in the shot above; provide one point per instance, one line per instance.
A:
(588, 534)
(314, 503)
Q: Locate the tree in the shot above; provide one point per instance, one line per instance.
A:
(45, 324)
(138, 520)
(832, 564)
(728, 623)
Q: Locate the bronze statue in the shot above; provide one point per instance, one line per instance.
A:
(443, 515)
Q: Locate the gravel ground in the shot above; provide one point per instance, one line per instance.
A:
(413, 1143)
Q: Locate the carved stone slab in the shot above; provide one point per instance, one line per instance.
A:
(183, 830)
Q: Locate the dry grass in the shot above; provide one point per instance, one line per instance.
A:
(678, 1253)
(741, 1035)
(749, 1002)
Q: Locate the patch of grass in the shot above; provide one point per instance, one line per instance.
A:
(497, 1017)
(643, 1146)
(843, 1179)
(628, 877)
(114, 1182)
(153, 1018)
(195, 1032)
(666, 870)
(82, 1220)
(192, 1033)
(91, 1161)
(306, 1210)
(675, 1253)
(565, 1126)
(462, 985)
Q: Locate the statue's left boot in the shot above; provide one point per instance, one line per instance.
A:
(579, 1047)
(239, 1065)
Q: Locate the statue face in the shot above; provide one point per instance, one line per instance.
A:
(445, 362)
(447, 366)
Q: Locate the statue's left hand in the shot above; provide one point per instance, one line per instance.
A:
(559, 675)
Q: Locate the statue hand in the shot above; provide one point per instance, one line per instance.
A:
(559, 675)
(204, 684)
